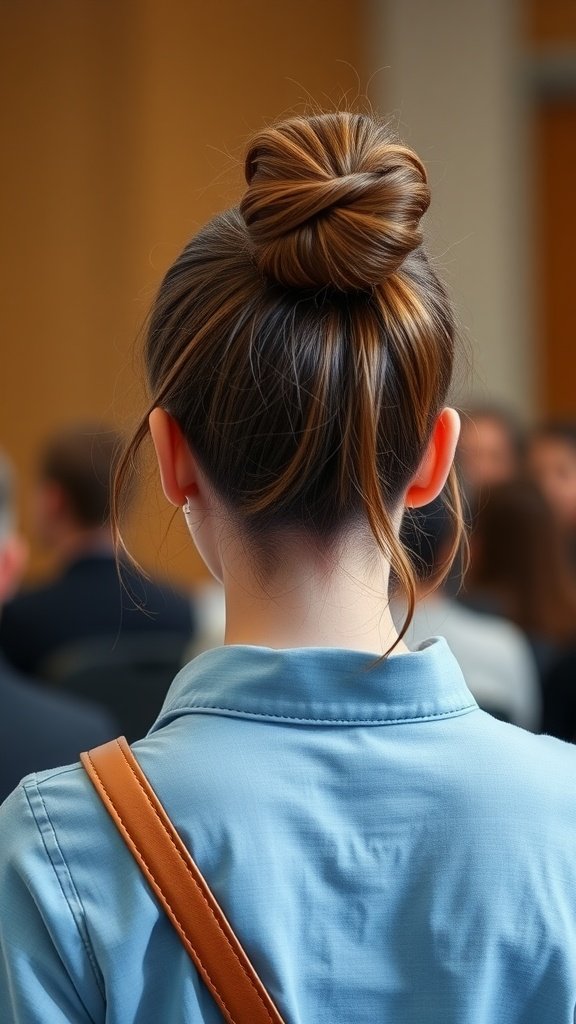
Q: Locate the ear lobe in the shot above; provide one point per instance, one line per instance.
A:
(438, 458)
(175, 460)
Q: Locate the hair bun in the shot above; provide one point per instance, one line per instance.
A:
(332, 200)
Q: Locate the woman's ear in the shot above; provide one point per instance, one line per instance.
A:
(438, 458)
(178, 468)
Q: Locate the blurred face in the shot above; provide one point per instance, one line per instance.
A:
(486, 453)
(47, 511)
(552, 463)
(13, 557)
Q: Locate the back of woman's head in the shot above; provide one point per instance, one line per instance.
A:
(518, 559)
(302, 341)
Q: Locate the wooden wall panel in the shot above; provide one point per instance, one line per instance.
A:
(555, 253)
(122, 126)
(549, 41)
(548, 22)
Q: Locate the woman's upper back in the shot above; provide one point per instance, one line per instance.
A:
(384, 850)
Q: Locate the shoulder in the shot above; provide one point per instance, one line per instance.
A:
(40, 729)
(531, 775)
(545, 752)
(84, 723)
(52, 820)
(30, 697)
(48, 959)
(30, 845)
(28, 624)
(28, 602)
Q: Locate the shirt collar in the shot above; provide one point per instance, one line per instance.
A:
(320, 686)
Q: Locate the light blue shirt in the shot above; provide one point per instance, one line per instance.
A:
(385, 851)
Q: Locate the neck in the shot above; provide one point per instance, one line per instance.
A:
(311, 598)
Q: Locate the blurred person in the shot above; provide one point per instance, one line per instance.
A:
(490, 447)
(37, 730)
(518, 569)
(88, 598)
(551, 459)
(385, 850)
(494, 655)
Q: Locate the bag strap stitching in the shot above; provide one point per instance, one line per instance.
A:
(198, 887)
(142, 861)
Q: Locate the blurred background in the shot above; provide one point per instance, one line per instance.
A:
(123, 126)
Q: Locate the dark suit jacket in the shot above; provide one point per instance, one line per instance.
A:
(41, 730)
(560, 698)
(85, 602)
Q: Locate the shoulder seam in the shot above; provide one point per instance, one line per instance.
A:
(82, 931)
(49, 774)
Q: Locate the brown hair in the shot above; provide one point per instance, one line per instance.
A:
(82, 460)
(518, 561)
(556, 430)
(303, 341)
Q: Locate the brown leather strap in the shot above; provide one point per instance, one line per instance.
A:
(178, 884)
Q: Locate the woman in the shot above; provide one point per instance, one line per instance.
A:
(383, 849)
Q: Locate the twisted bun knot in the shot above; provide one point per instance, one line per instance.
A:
(331, 200)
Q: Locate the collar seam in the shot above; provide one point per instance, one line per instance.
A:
(191, 709)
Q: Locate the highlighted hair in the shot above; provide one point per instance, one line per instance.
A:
(303, 341)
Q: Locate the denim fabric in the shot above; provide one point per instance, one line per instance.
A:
(386, 852)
